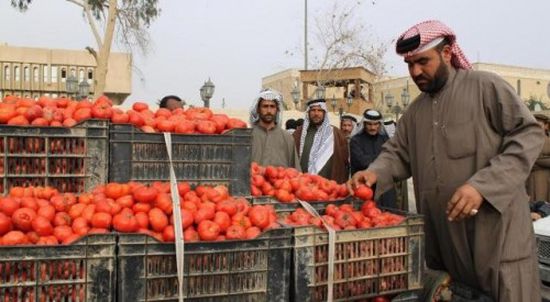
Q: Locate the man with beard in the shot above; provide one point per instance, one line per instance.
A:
(366, 145)
(323, 148)
(347, 125)
(469, 143)
(271, 145)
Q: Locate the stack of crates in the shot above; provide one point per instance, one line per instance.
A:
(222, 159)
(81, 272)
(69, 159)
(247, 270)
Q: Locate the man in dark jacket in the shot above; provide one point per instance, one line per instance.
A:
(366, 145)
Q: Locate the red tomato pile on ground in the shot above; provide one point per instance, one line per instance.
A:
(287, 185)
(345, 217)
(64, 112)
(43, 216)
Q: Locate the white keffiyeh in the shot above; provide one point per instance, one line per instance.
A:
(268, 95)
(323, 142)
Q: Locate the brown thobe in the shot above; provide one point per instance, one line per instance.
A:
(538, 184)
(339, 161)
(476, 130)
(274, 147)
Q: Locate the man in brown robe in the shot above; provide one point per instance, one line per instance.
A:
(271, 145)
(469, 143)
(538, 183)
(323, 149)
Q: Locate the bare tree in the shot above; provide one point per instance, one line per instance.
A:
(130, 18)
(341, 41)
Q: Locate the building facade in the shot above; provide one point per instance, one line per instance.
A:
(348, 90)
(33, 72)
(391, 95)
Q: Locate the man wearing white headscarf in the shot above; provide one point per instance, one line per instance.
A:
(271, 145)
(365, 146)
(323, 149)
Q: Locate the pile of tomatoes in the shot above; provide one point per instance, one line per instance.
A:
(345, 217)
(63, 112)
(43, 216)
(287, 185)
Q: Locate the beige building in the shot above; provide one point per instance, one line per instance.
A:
(529, 83)
(348, 90)
(391, 93)
(32, 72)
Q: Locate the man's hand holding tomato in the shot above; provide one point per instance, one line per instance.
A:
(364, 177)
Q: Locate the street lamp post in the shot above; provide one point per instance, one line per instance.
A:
(320, 92)
(405, 98)
(349, 101)
(71, 85)
(83, 90)
(341, 111)
(207, 91)
(333, 103)
(295, 96)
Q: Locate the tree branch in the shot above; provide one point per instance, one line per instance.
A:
(81, 4)
(93, 26)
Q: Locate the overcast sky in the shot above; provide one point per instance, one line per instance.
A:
(237, 42)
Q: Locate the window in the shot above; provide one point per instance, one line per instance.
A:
(73, 72)
(54, 74)
(54, 96)
(35, 75)
(47, 95)
(80, 75)
(26, 74)
(63, 74)
(17, 73)
(518, 89)
(90, 75)
(27, 96)
(7, 73)
(46, 74)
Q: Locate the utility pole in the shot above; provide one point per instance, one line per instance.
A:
(305, 35)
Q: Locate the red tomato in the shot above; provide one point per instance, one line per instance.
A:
(101, 220)
(204, 213)
(145, 194)
(345, 219)
(8, 205)
(259, 216)
(62, 232)
(187, 218)
(253, 232)
(42, 226)
(157, 219)
(5, 224)
(140, 106)
(142, 220)
(62, 218)
(228, 206)
(190, 235)
(125, 222)
(363, 192)
(206, 127)
(168, 234)
(223, 220)
(208, 230)
(235, 232)
(14, 238)
(22, 219)
(235, 123)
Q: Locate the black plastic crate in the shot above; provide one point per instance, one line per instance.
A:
(247, 270)
(81, 272)
(368, 262)
(198, 159)
(68, 159)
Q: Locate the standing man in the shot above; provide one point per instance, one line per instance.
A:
(271, 145)
(171, 102)
(366, 145)
(323, 148)
(347, 125)
(469, 143)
